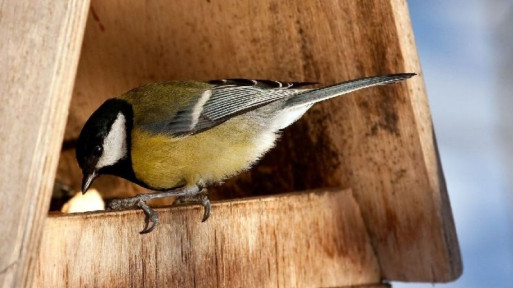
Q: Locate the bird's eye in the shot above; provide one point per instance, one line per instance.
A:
(97, 151)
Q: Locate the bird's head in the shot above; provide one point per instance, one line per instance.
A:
(103, 140)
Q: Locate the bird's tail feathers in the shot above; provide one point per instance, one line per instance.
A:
(316, 95)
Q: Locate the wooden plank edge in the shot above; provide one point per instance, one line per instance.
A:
(61, 26)
(314, 238)
(452, 268)
(376, 285)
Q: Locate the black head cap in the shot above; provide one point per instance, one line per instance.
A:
(89, 147)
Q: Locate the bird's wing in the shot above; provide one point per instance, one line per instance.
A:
(224, 99)
(203, 106)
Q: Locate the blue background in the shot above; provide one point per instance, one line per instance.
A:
(464, 46)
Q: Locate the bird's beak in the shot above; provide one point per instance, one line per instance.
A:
(87, 181)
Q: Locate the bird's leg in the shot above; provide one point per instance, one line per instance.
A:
(200, 198)
(152, 217)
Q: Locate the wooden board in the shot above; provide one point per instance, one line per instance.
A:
(378, 141)
(39, 51)
(314, 239)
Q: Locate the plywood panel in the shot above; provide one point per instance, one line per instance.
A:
(314, 239)
(39, 50)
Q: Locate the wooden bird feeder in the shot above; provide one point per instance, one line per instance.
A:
(354, 193)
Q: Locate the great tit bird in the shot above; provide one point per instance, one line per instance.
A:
(177, 137)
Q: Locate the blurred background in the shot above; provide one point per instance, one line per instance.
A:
(466, 52)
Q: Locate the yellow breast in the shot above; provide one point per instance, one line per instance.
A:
(164, 162)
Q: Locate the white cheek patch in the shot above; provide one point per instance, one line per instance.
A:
(114, 145)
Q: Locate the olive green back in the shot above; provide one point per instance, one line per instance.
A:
(159, 102)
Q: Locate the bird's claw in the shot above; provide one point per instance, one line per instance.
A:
(206, 208)
(201, 199)
(151, 220)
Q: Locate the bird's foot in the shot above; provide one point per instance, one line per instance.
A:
(126, 203)
(152, 217)
(200, 198)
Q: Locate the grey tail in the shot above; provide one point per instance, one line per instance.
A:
(316, 95)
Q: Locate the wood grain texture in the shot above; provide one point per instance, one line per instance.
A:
(378, 141)
(39, 51)
(314, 239)
(377, 285)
